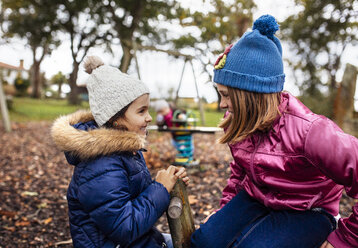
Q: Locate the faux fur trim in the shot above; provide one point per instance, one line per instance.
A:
(92, 143)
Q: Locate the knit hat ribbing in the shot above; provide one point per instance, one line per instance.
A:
(109, 89)
(254, 63)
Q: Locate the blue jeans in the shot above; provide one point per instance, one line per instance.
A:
(168, 240)
(244, 222)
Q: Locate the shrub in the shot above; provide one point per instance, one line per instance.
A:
(21, 85)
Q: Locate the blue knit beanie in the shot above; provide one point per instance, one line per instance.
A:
(254, 63)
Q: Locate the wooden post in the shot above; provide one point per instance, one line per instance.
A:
(4, 112)
(180, 218)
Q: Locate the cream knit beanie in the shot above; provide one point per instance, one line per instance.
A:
(109, 89)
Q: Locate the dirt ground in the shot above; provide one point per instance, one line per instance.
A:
(34, 177)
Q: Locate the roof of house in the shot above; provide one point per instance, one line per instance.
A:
(12, 67)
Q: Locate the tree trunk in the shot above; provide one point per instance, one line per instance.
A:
(35, 71)
(36, 84)
(59, 90)
(344, 97)
(126, 58)
(73, 98)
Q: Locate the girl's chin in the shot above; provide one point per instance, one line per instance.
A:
(143, 132)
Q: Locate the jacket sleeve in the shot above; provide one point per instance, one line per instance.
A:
(335, 153)
(233, 184)
(106, 198)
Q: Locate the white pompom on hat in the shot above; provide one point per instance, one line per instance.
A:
(109, 89)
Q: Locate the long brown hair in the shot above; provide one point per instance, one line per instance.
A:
(251, 112)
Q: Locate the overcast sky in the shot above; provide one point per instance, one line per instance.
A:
(156, 69)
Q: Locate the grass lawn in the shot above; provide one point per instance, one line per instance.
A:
(212, 117)
(29, 109)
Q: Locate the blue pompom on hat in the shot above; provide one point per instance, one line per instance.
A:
(254, 63)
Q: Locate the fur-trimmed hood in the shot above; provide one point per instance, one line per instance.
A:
(91, 143)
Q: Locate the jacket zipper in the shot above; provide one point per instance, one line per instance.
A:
(252, 161)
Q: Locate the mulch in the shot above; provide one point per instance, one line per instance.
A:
(34, 177)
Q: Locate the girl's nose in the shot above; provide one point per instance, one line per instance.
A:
(149, 118)
(223, 104)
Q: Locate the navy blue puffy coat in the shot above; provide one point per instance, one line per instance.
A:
(112, 200)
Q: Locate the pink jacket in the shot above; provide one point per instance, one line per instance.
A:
(168, 119)
(302, 163)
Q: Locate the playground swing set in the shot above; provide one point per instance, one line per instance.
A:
(184, 125)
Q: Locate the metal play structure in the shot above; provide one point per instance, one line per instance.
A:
(182, 134)
(183, 129)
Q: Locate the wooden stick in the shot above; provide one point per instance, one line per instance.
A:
(180, 218)
(4, 112)
(65, 242)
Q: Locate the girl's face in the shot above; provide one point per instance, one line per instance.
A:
(225, 102)
(137, 116)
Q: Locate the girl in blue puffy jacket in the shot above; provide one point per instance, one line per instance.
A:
(112, 200)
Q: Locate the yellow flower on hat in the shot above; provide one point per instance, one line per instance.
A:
(220, 62)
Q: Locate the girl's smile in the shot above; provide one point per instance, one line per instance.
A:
(137, 117)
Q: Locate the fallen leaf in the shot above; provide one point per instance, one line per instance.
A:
(22, 223)
(192, 199)
(10, 228)
(29, 193)
(42, 205)
(8, 213)
(48, 220)
(206, 213)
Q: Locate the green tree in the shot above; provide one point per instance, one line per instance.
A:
(34, 22)
(137, 25)
(318, 36)
(59, 79)
(219, 26)
(83, 23)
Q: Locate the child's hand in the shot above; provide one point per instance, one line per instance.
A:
(181, 173)
(167, 177)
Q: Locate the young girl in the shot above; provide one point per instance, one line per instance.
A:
(164, 113)
(112, 200)
(290, 165)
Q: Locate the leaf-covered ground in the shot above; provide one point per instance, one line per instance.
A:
(34, 177)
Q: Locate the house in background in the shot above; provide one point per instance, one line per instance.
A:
(8, 73)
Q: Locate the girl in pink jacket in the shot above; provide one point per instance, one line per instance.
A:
(290, 165)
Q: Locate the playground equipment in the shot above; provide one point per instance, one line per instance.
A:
(183, 139)
(184, 125)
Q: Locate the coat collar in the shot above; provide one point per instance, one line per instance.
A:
(95, 142)
(282, 108)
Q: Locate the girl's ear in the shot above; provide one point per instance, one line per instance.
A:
(120, 124)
